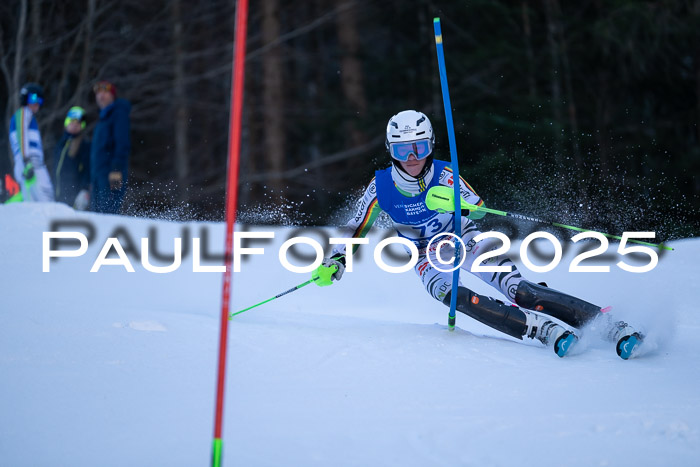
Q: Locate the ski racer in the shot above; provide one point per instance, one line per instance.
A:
(400, 191)
(30, 170)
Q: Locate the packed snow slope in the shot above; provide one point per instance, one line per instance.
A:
(118, 368)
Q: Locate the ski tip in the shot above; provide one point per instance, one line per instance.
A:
(436, 20)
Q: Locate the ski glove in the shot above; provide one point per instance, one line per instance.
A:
(330, 268)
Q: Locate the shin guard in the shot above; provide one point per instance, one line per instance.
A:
(493, 313)
(571, 310)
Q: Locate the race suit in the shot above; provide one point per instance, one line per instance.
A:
(414, 221)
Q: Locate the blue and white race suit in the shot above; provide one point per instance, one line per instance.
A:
(414, 221)
(25, 141)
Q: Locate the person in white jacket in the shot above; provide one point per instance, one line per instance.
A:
(25, 139)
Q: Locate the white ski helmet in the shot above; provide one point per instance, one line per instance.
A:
(409, 126)
(410, 132)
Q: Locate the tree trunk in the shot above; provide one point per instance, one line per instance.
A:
(697, 97)
(602, 121)
(555, 85)
(273, 96)
(34, 58)
(527, 31)
(84, 37)
(602, 99)
(568, 84)
(351, 72)
(181, 150)
(696, 13)
(87, 46)
(316, 175)
(19, 53)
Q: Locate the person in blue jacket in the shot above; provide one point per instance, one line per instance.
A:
(71, 162)
(111, 147)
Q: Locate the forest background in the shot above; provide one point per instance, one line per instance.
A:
(582, 112)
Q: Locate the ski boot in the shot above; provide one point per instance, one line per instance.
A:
(550, 333)
(513, 321)
(627, 339)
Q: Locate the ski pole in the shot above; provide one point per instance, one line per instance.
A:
(313, 279)
(273, 298)
(440, 198)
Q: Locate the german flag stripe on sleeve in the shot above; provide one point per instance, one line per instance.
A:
(481, 201)
(372, 212)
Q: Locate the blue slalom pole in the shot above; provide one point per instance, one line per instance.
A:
(455, 170)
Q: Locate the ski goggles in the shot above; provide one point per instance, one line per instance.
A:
(35, 98)
(420, 149)
(105, 86)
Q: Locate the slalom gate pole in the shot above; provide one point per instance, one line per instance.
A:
(234, 150)
(455, 170)
(295, 288)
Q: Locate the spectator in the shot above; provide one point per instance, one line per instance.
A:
(109, 154)
(30, 170)
(72, 162)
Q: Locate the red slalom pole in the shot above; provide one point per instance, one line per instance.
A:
(231, 205)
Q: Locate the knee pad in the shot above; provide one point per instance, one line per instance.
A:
(493, 313)
(571, 310)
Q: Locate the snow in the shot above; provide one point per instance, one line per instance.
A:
(117, 368)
